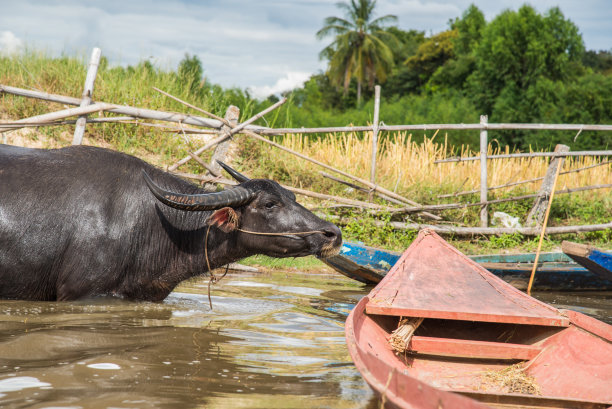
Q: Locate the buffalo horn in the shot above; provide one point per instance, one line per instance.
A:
(203, 201)
(233, 172)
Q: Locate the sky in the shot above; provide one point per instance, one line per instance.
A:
(265, 46)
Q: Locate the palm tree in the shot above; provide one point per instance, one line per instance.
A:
(361, 48)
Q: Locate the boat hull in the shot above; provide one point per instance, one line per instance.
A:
(591, 258)
(415, 384)
(556, 271)
(479, 342)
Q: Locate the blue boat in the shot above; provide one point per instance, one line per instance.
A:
(555, 272)
(591, 258)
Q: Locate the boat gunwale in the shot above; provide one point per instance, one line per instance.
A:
(477, 399)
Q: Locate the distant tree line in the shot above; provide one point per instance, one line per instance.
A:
(521, 67)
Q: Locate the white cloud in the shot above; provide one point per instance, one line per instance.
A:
(290, 81)
(9, 43)
(269, 45)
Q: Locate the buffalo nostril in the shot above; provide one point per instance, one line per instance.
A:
(334, 234)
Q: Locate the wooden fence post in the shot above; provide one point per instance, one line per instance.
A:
(374, 138)
(536, 214)
(92, 71)
(484, 146)
(231, 115)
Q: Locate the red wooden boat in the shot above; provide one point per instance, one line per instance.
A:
(482, 342)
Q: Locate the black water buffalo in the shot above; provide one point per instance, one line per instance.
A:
(81, 222)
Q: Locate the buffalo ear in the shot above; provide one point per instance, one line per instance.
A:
(225, 219)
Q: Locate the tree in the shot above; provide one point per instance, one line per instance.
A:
(403, 80)
(469, 27)
(432, 54)
(361, 48)
(517, 48)
(522, 62)
(190, 72)
(598, 61)
(456, 70)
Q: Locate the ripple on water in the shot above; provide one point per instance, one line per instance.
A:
(254, 348)
(308, 291)
(262, 339)
(187, 304)
(297, 322)
(292, 360)
(19, 383)
(104, 365)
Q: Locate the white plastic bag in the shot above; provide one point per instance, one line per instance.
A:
(505, 220)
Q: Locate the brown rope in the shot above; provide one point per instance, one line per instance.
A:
(281, 234)
(214, 279)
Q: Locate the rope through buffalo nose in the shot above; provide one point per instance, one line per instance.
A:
(287, 234)
(214, 279)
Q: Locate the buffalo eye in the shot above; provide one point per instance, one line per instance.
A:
(270, 204)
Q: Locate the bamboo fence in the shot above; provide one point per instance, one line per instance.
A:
(225, 128)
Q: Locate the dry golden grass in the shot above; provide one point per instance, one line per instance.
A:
(407, 166)
(512, 379)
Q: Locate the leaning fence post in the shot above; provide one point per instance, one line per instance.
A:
(484, 146)
(231, 115)
(92, 71)
(374, 138)
(536, 214)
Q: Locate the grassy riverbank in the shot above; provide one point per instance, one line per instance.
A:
(405, 161)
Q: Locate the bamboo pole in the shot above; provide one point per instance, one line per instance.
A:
(90, 79)
(537, 256)
(64, 113)
(118, 109)
(530, 155)
(216, 123)
(176, 129)
(237, 127)
(204, 164)
(254, 118)
(299, 155)
(303, 192)
(432, 127)
(360, 188)
(374, 138)
(123, 119)
(198, 151)
(210, 114)
(205, 178)
(449, 206)
(484, 145)
(521, 182)
(481, 231)
(355, 178)
(373, 206)
(234, 128)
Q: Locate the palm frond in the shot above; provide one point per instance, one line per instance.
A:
(362, 49)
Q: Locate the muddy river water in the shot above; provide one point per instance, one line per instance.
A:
(272, 340)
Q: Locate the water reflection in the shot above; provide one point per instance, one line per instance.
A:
(271, 341)
(251, 350)
(595, 304)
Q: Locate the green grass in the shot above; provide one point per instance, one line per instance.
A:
(119, 85)
(134, 86)
(299, 263)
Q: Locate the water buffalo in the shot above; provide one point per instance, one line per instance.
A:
(82, 222)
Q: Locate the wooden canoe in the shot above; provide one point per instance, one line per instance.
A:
(593, 259)
(482, 342)
(556, 271)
